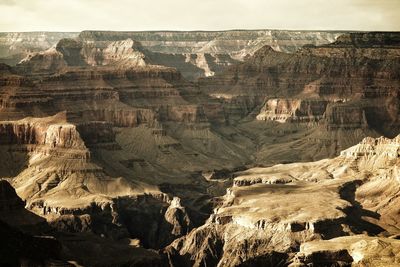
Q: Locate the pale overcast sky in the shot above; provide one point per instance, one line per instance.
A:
(78, 15)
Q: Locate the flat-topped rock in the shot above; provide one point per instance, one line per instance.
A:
(358, 250)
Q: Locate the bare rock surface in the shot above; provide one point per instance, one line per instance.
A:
(112, 151)
(195, 54)
(14, 46)
(269, 212)
(321, 99)
(358, 250)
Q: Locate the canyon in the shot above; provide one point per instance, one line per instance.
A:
(194, 54)
(231, 148)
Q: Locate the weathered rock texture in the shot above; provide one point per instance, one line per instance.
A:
(347, 88)
(297, 110)
(103, 137)
(199, 54)
(14, 46)
(194, 54)
(269, 212)
(223, 42)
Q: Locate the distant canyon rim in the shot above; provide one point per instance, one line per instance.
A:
(221, 148)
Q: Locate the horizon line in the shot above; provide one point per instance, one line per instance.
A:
(224, 30)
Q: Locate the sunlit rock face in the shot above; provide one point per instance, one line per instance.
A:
(269, 212)
(327, 70)
(348, 87)
(114, 148)
(353, 250)
(194, 54)
(296, 110)
(14, 46)
(88, 145)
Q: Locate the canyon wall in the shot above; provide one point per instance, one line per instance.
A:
(349, 87)
(103, 137)
(327, 206)
(14, 46)
(194, 54)
(236, 42)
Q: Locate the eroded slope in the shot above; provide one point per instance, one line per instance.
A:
(270, 212)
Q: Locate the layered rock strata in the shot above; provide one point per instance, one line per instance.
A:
(326, 98)
(113, 149)
(14, 46)
(330, 72)
(195, 54)
(297, 110)
(269, 212)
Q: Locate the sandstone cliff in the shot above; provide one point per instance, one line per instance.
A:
(269, 212)
(114, 149)
(337, 89)
(218, 42)
(14, 46)
(195, 54)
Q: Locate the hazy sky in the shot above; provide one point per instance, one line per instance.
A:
(77, 15)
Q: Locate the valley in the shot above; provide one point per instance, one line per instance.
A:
(225, 148)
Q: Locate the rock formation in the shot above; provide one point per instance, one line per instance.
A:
(14, 46)
(358, 250)
(297, 110)
(269, 212)
(194, 54)
(106, 141)
(239, 42)
(338, 89)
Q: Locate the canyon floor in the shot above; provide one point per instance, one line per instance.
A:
(230, 148)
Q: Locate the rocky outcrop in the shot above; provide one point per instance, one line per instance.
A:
(372, 147)
(184, 114)
(356, 250)
(195, 54)
(49, 60)
(129, 160)
(315, 70)
(345, 116)
(294, 110)
(257, 223)
(125, 53)
(14, 46)
(193, 66)
(39, 133)
(57, 158)
(75, 237)
(178, 218)
(153, 219)
(335, 73)
(342, 86)
(63, 184)
(101, 100)
(71, 52)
